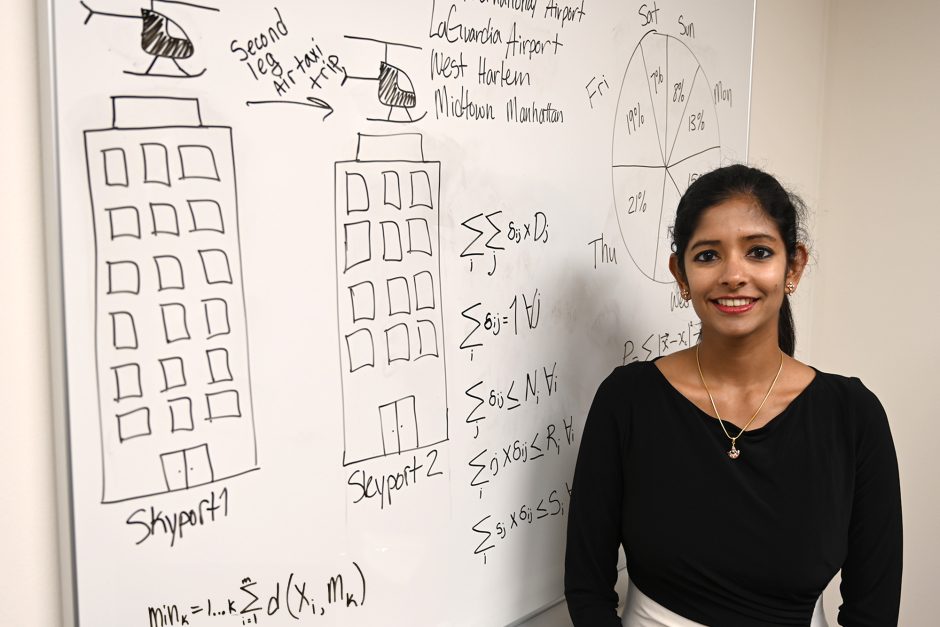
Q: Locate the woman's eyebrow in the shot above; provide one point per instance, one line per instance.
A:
(717, 242)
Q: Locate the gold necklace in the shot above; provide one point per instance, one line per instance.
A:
(734, 453)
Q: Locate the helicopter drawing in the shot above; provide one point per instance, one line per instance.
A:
(395, 89)
(160, 37)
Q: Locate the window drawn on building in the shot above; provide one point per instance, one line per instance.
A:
(124, 222)
(156, 164)
(390, 319)
(171, 353)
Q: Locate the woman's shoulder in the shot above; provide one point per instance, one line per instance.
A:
(628, 385)
(848, 389)
(629, 376)
(852, 399)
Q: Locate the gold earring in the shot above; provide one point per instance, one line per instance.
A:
(790, 287)
(686, 295)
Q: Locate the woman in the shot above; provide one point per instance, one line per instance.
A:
(738, 480)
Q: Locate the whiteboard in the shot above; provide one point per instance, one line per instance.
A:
(338, 282)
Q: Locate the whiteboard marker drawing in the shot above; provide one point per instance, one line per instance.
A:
(160, 37)
(171, 344)
(665, 134)
(389, 303)
(395, 89)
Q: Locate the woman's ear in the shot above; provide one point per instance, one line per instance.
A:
(678, 275)
(797, 265)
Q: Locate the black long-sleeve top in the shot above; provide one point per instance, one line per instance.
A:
(747, 542)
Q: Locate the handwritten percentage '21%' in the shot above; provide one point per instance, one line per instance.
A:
(635, 119)
(637, 202)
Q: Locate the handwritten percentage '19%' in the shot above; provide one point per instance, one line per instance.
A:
(678, 91)
(635, 119)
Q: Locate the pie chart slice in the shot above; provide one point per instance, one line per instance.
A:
(698, 127)
(671, 197)
(639, 201)
(681, 72)
(653, 57)
(637, 140)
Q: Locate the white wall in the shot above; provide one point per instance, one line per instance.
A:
(843, 100)
(875, 314)
(29, 581)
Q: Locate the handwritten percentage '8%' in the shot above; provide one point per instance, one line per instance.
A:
(637, 202)
(635, 119)
(678, 94)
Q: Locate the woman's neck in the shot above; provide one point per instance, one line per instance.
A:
(739, 361)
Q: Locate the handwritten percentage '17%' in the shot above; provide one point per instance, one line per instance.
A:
(635, 119)
(678, 91)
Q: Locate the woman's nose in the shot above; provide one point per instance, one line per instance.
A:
(733, 273)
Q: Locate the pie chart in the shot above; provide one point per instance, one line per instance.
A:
(665, 136)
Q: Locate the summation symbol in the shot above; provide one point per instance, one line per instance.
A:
(665, 136)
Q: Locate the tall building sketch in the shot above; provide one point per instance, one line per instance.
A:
(171, 343)
(389, 298)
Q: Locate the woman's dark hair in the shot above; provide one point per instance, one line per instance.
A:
(784, 208)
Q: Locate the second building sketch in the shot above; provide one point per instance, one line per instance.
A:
(389, 298)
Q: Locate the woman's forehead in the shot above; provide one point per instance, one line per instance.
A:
(736, 216)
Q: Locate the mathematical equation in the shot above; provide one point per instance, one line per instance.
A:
(489, 464)
(289, 597)
(523, 314)
(492, 530)
(517, 394)
(661, 343)
(491, 236)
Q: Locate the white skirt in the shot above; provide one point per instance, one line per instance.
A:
(642, 611)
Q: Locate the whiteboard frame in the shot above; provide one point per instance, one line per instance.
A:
(55, 294)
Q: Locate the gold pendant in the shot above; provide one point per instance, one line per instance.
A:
(734, 453)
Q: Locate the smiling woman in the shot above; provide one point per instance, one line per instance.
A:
(757, 218)
(738, 480)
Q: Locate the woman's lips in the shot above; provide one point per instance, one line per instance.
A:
(734, 305)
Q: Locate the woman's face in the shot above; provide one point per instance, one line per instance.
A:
(736, 269)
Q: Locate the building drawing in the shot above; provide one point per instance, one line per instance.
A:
(171, 345)
(389, 298)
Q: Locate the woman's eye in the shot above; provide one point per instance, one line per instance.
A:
(761, 252)
(705, 256)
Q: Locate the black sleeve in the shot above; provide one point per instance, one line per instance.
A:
(871, 574)
(594, 517)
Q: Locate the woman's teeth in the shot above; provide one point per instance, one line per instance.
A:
(734, 302)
